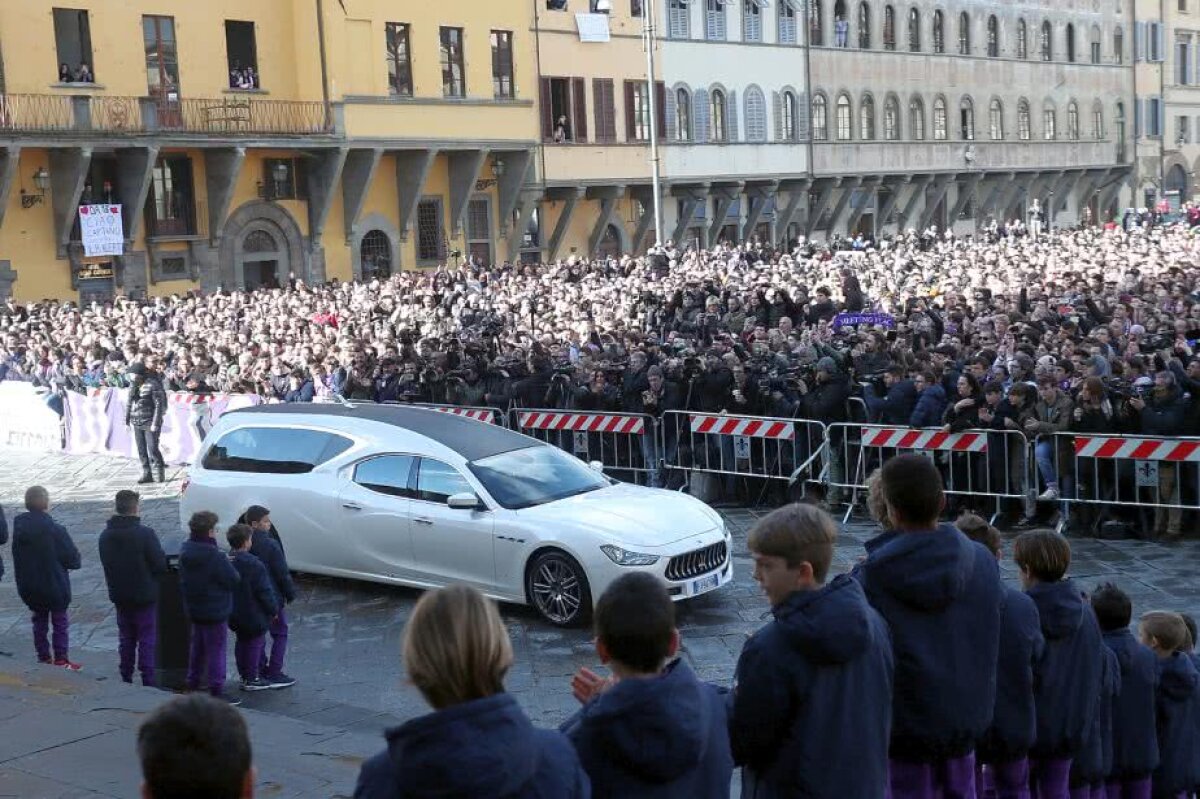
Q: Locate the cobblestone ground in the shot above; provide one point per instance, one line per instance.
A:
(345, 637)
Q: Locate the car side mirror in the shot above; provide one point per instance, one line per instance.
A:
(596, 466)
(464, 501)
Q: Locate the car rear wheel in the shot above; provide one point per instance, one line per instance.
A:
(558, 588)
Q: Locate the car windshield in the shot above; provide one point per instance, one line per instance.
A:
(534, 476)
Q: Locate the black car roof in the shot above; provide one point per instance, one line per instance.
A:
(469, 438)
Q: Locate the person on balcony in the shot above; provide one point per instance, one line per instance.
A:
(84, 74)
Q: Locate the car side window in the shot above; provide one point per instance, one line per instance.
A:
(274, 450)
(437, 481)
(386, 475)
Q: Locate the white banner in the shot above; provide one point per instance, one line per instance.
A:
(592, 27)
(26, 422)
(101, 229)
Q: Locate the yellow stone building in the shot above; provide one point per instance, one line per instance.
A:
(249, 141)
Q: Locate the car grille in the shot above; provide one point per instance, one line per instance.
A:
(697, 562)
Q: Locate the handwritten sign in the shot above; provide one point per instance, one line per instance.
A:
(849, 319)
(592, 27)
(102, 230)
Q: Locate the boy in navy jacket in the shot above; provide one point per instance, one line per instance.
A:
(653, 729)
(43, 554)
(941, 595)
(207, 579)
(1069, 678)
(1134, 740)
(1004, 749)
(133, 562)
(1178, 713)
(827, 654)
(254, 605)
(266, 547)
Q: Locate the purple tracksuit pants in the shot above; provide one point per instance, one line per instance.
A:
(1008, 780)
(945, 779)
(42, 621)
(1050, 779)
(1140, 788)
(137, 637)
(206, 657)
(248, 652)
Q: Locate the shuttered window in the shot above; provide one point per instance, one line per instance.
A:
(714, 20)
(756, 115)
(604, 103)
(680, 27)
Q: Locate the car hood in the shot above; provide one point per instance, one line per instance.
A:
(630, 515)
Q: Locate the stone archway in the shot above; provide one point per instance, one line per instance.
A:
(377, 224)
(1178, 180)
(262, 241)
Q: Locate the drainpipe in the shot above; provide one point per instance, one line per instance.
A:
(808, 94)
(537, 43)
(324, 64)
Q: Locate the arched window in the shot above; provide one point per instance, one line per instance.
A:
(1072, 121)
(820, 118)
(916, 119)
(891, 119)
(996, 120)
(756, 115)
(939, 119)
(964, 33)
(966, 119)
(1023, 126)
(866, 119)
(1120, 132)
(1049, 122)
(993, 37)
(844, 117)
(889, 28)
(914, 30)
(790, 122)
(939, 32)
(718, 114)
(816, 34)
(751, 21)
(1070, 34)
(1047, 41)
(714, 20)
(375, 255)
(683, 115)
(1022, 39)
(864, 25)
(1098, 121)
(1094, 45)
(679, 19)
(1119, 46)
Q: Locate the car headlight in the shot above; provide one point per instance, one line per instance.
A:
(623, 557)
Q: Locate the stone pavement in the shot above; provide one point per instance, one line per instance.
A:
(345, 638)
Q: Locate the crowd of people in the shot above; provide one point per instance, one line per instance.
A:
(918, 674)
(1088, 329)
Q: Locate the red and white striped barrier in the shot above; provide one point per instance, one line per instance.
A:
(1140, 449)
(478, 414)
(582, 422)
(742, 426)
(187, 398)
(906, 438)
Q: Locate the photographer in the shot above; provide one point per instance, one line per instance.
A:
(658, 398)
(1163, 413)
(561, 393)
(530, 391)
(634, 383)
(356, 383)
(388, 383)
(598, 394)
(710, 387)
(464, 387)
(743, 397)
(896, 406)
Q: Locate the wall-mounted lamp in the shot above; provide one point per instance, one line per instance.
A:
(41, 180)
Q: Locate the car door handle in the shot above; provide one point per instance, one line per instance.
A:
(351, 506)
(421, 520)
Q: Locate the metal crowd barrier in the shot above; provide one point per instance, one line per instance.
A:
(479, 413)
(1094, 471)
(771, 448)
(976, 463)
(623, 442)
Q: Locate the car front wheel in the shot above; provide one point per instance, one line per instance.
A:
(557, 586)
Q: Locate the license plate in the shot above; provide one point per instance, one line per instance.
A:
(705, 584)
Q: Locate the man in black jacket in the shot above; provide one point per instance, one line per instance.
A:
(266, 547)
(133, 562)
(43, 553)
(896, 406)
(144, 413)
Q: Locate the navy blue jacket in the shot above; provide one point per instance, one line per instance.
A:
(1069, 676)
(941, 594)
(1135, 744)
(133, 562)
(1014, 722)
(1093, 763)
(207, 580)
(268, 550)
(930, 408)
(43, 553)
(484, 749)
(3, 537)
(812, 707)
(254, 599)
(1178, 725)
(659, 737)
(896, 406)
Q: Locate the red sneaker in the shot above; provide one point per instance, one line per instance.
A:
(68, 665)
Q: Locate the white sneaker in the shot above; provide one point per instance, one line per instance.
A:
(1049, 495)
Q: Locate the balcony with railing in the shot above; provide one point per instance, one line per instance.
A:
(75, 115)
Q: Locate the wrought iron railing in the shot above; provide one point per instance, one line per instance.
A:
(231, 116)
